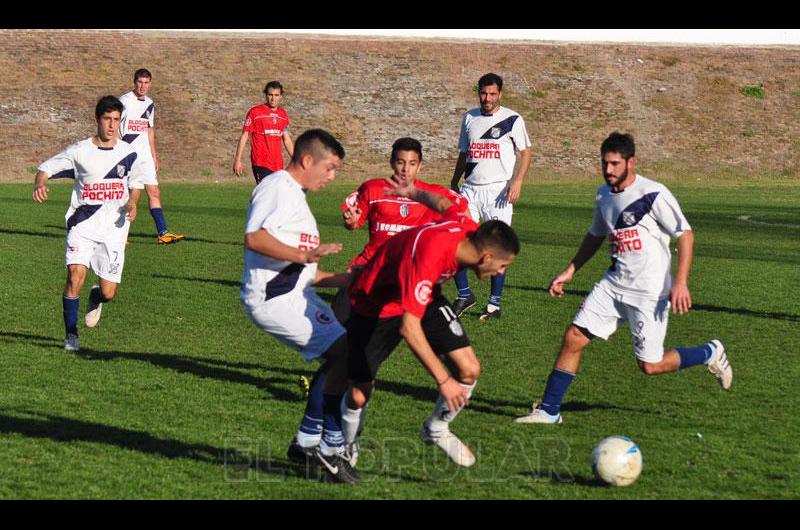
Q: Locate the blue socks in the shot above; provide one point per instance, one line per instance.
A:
(462, 284)
(695, 355)
(158, 217)
(557, 385)
(310, 431)
(71, 314)
(332, 437)
(498, 281)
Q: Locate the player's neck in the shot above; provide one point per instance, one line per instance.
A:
(297, 174)
(466, 254)
(111, 142)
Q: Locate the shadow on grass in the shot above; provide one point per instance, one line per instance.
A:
(771, 315)
(31, 233)
(226, 283)
(565, 479)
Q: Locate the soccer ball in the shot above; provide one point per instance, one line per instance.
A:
(617, 461)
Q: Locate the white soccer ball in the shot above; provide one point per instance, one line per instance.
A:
(617, 461)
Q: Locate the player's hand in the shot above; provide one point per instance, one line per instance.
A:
(680, 298)
(155, 162)
(557, 284)
(351, 216)
(326, 249)
(399, 186)
(40, 193)
(238, 168)
(453, 394)
(130, 207)
(513, 191)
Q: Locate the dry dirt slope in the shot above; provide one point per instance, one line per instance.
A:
(684, 104)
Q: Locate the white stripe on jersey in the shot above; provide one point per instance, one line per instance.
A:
(431, 225)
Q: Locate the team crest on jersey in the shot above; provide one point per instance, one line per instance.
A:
(404, 210)
(323, 317)
(422, 292)
(120, 170)
(113, 268)
(629, 218)
(495, 132)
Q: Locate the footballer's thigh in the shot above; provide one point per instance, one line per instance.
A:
(648, 327)
(107, 262)
(448, 340)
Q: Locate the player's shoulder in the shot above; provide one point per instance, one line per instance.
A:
(471, 114)
(505, 112)
(373, 187)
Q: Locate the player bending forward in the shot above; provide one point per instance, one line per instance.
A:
(637, 216)
(99, 213)
(397, 296)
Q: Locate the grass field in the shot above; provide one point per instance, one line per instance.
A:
(177, 395)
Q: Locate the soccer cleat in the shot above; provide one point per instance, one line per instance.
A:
(93, 311)
(168, 237)
(462, 304)
(538, 415)
(71, 343)
(719, 365)
(337, 468)
(450, 444)
(298, 453)
(351, 452)
(490, 311)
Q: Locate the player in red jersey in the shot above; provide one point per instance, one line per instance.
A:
(397, 296)
(267, 126)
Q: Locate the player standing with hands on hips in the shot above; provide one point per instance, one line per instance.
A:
(493, 141)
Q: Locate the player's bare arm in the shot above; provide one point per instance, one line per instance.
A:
(411, 330)
(401, 187)
(679, 295)
(332, 279)
(151, 136)
(288, 143)
(262, 242)
(515, 184)
(237, 160)
(590, 245)
(40, 188)
(461, 166)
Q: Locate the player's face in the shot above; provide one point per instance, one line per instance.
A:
(490, 97)
(323, 171)
(407, 164)
(491, 264)
(107, 125)
(616, 170)
(274, 97)
(141, 87)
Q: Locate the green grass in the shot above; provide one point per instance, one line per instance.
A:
(176, 394)
(753, 91)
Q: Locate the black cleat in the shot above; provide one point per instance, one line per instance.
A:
(462, 304)
(490, 311)
(337, 468)
(296, 452)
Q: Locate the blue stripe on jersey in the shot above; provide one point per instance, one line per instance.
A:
(285, 281)
(129, 138)
(469, 169)
(66, 174)
(148, 111)
(636, 211)
(125, 164)
(504, 127)
(82, 213)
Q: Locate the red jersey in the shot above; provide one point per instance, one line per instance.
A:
(389, 215)
(266, 127)
(407, 272)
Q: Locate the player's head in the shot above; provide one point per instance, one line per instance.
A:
(273, 91)
(617, 159)
(497, 245)
(317, 155)
(141, 82)
(107, 112)
(490, 92)
(406, 159)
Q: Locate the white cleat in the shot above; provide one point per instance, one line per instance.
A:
(71, 343)
(538, 415)
(719, 365)
(93, 311)
(450, 444)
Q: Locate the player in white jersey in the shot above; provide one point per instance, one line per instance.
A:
(99, 213)
(492, 143)
(282, 249)
(638, 217)
(138, 129)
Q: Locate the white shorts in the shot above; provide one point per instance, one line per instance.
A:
(301, 320)
(146, 175)
(106, 259)
(602, 312)
(488, 201)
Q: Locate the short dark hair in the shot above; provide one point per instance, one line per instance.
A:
(490, 79)
(107, 104)
(406, 144)
(274, 84)
(619, 143)
(497, 235)
(142, 72)
(316, 142)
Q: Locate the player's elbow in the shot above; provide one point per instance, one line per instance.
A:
(250, 241)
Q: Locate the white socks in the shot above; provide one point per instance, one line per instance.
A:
(352, 421)
(441, 416)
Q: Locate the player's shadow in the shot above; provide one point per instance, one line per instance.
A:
(695, 307)
(582, 406)
(30, 233)
(567, 479)
(36, 340)
(226, 283)
(150, 237)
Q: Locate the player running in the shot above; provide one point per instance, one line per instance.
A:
(99, 213)
(638, 216)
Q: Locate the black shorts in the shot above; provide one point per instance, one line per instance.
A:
(341, 306)
(260, 172)
(371, 340)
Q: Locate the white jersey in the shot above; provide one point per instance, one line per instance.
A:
(638, 223)
(97, 207)
(278, 205)
(490, 142)
(137, 117)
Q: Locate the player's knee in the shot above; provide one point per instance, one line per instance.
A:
(359, 395)
(108, 291)
(649, 368)
(469, 373)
